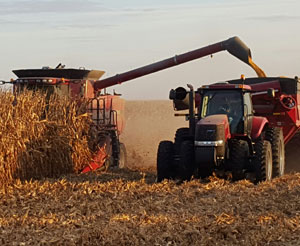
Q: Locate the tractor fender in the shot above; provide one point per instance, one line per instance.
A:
(258, 125)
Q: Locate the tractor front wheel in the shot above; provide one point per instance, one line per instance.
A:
(165, 156)
(238, 154)
(187, 160)
(181, 135)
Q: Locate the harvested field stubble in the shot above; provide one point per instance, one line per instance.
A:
(128, 208)
(122, 207)
(41, 138)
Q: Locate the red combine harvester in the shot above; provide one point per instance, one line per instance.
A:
(107, 111)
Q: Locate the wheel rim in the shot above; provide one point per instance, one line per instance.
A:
(269, 167)
(281, 160)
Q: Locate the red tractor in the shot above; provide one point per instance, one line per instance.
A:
(239, 126)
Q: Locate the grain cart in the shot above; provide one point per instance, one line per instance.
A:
(107, 110)
(240, 126)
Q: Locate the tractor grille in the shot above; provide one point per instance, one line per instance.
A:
(209, 132)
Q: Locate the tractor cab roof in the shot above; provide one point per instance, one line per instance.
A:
(226, 86)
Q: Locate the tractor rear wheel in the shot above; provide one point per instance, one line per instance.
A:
(187, 160)
(165, 156)
(275, 136)
(182, 134)
(263, 161)
(238, 153)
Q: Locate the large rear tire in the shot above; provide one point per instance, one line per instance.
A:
(263, 161)
(275, 136)
(181, 135)
(165, 156)
(187, 160)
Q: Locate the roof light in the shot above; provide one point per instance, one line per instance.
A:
(240, 86)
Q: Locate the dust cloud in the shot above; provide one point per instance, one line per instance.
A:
(292, 154)
(147, 123)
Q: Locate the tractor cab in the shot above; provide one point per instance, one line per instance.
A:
(234, 101)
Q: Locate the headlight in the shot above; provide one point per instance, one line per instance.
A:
(209, 143)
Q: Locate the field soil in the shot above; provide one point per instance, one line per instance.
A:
(127, 207)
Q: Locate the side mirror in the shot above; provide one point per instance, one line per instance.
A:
(271, 93)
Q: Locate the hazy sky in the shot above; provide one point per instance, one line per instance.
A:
(118, 35)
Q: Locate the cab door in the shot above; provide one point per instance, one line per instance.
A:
(248, 113)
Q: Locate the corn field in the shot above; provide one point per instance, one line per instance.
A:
(41, 137)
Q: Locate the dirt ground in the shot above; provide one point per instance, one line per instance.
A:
(129, 208)
(126, 207)
(148, 122)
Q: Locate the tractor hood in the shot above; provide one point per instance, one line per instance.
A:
(217, 119)
(213, 128)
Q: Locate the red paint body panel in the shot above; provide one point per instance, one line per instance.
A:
(258, 124)
(98, 160)
(217, 119)
(265, 86)
(277, 111)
